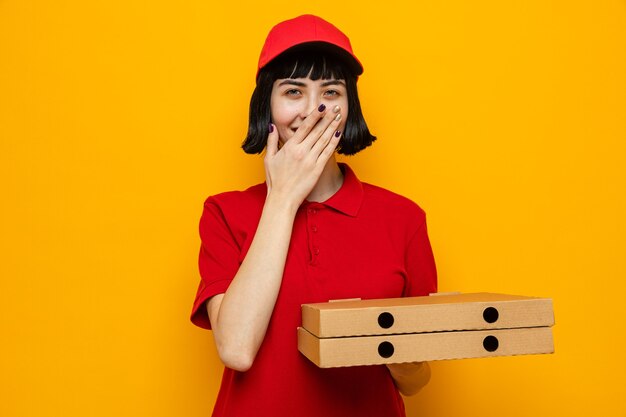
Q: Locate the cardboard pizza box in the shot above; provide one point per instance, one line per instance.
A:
(472, 311)
(415, 329)
(377, 350)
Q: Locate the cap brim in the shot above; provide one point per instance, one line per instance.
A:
(350, 60)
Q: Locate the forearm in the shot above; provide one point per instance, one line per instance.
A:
(240, 316)
(410, 377)
(247, 305)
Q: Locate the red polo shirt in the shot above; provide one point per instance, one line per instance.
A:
(363, 242)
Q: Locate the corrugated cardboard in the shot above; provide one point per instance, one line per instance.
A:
(415, 329)
(426, 314)
(376, 350)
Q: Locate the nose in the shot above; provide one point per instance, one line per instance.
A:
(309, 105)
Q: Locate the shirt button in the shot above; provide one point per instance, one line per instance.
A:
(314, 229)
(316, 251)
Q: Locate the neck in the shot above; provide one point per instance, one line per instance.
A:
(329, 182)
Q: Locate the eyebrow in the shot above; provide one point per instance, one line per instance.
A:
(333, 82)
(292, 82)
(301, 84)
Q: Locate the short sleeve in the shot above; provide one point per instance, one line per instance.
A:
(218, 260)
(420, 265)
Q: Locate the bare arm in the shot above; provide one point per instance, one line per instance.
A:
(240, 316)
(410, 377)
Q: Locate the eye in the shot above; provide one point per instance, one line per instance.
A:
(331, 93)
(292, 92)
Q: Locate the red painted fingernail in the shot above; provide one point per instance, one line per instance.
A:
(271, 128)
(337, 133)
(321, 108)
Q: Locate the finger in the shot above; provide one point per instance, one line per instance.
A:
(326, 136)
(308, 124)
(322, 125)
(329, 149)
(272, 141)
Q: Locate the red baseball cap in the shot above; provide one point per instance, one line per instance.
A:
(308, 32)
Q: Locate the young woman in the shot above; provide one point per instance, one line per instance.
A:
(311, 233)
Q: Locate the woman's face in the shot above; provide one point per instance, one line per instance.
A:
(293, 99)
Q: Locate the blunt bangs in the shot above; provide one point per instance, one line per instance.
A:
(301, 65)
(313, 65)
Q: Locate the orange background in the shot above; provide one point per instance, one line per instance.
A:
(505, 121)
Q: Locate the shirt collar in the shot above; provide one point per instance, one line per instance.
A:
(349, 197)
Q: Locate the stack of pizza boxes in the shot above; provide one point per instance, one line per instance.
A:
(435, 327)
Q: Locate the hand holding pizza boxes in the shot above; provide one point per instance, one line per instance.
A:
(415, 329)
